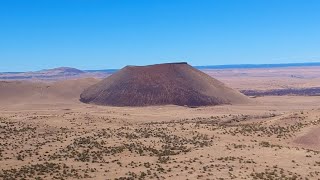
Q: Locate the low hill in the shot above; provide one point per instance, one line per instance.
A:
(52, 74)
(15, 92)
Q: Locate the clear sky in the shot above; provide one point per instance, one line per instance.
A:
(100, 34)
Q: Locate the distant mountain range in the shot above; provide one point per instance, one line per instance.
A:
(51, 74)
(68, 72)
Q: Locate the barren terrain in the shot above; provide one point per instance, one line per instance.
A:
(48, 134)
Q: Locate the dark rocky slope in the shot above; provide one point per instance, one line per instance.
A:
(161, 84)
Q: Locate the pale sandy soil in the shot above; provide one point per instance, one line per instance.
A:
(266, 78)
(49, 134)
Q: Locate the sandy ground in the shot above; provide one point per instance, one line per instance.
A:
(269, 78)
(56, 137)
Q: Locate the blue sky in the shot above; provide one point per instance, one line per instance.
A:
(100, 34)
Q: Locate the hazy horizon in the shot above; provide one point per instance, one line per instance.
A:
(218, 66)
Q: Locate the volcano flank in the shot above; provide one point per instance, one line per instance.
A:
(161, 84)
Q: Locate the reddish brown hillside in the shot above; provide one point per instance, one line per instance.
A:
(162, 84)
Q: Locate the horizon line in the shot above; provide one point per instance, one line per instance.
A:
(219, 66)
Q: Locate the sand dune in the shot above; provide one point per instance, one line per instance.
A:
(13, 92)
(311, 139)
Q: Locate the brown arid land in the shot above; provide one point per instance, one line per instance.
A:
(47, 133)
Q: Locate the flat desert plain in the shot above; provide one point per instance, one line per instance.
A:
(46, 133)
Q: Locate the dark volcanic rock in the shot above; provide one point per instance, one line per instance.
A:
(312, 91)
(161, 84)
